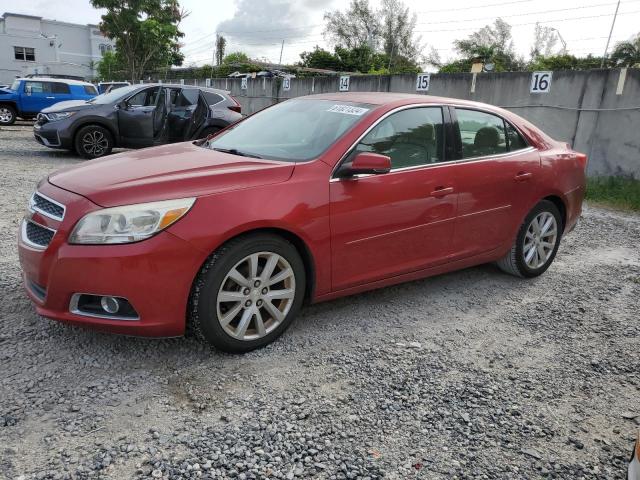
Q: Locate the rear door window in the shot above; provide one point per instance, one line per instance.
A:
(514, 139)
(482, 134)
(90, 90)
(212, 98)
(59, 87)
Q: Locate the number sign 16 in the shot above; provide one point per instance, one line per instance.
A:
(541, 82)
(344, 84)
(422, 84)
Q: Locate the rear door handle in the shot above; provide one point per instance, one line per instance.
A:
(523, 176)
(51, 98)
(441, 191)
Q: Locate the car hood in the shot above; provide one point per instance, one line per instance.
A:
(6, 91)
(68, 105)
(162, 173)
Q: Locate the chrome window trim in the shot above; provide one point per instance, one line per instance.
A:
(34, 208)
(25, 239)
(73, 308)
(427, 165)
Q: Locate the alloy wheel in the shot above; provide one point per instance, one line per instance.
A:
(6, 115)
(256, 296)
(540, 240)
(95, 143)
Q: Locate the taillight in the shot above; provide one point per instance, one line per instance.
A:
(582, 158)
(237, 107)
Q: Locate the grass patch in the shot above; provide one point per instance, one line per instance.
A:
(619, 192)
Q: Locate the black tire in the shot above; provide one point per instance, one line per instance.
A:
(203, 318)
(514, 261)
(93, 141)
(7, 115)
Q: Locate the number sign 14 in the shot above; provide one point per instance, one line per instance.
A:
(422, 83)
(344, 84)
(541, 82)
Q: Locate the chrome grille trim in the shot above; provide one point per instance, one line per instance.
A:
(47, 206)
(25, 236)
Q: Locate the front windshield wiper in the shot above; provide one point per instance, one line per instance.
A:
(235, 151)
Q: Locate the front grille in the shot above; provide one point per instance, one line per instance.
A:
(47, 207)
(38, 235)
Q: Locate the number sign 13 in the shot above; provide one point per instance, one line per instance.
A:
(541, 82)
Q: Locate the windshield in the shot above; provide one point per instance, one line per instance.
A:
(15, 85)
(114, 95)
(295, 130)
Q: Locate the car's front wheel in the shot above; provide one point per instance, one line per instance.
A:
(536, 244)
(93, 141)
(247, 293)
(7, 115)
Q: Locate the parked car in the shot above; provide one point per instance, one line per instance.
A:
(28, 96)
(106, 87)
(136, 116)
(311, 199)
(634, 464)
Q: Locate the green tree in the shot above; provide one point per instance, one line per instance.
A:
(146, 32)
(358, 26)
(565, 62)
(491, 44)
(221, 44)
(320, 58)
(110, 67)
(397, 27)
(236, 58)
(626, 54)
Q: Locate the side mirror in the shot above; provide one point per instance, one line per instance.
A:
(367, 163)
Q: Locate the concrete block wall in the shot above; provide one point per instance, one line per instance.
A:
(592, 110)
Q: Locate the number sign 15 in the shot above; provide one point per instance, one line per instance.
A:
(243, 83)
(344, 84)
(541, 82)
(422, 84)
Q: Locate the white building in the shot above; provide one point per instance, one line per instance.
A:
(33, 45)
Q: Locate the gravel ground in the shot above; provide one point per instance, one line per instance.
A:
(473, 374)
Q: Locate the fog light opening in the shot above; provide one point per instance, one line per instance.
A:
(110, 305)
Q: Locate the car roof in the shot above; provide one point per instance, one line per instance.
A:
(179, 85)
(59, 80)
(399, 99)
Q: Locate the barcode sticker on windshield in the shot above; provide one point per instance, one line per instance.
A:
(348, 109)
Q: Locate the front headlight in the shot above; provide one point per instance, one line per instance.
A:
(52, 117)
(129, 223)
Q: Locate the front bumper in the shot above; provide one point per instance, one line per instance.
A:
(53, 134)
(155, 275)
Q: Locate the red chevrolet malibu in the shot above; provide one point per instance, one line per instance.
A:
(311, 199)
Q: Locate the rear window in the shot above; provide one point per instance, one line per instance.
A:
(90, 90)
(212, 98)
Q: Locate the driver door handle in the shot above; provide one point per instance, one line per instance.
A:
(439, 192)
(51, 98)
(523, 176)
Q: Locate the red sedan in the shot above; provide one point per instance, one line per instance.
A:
(311, 199)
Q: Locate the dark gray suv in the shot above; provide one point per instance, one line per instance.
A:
(135, 116)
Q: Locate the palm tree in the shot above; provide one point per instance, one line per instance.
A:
(627, 54)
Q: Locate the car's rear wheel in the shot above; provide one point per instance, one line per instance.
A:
(247, 293)
(7, 115)
(536, 244)
(93, 141)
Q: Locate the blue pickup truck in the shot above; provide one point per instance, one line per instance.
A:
(27, 96)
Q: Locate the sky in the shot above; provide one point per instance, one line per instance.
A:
(258, 27)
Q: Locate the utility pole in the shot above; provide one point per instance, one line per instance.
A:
(281, 49)
(613, 22)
